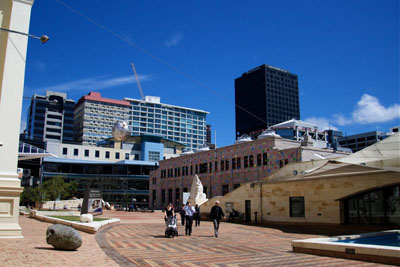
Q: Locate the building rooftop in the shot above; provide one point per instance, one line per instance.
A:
(95, 96)
(151, 100)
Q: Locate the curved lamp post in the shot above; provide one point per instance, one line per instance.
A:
(43, 38)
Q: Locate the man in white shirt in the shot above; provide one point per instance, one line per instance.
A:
(189, 212)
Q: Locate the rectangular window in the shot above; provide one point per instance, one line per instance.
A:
(216, 166)
(246, 161)
(177, 196)
(183, 171)
(65, 151)
(251, 161)
(107, 154)
(210, 167)
(97, 153)
(170, 195)
(226, 165)
(127, 156)
(238, 163)
(265, 159)
(86, 152)
(233, 163)
(76, 152)
(116, 155)
(296, 206)
(258, 159)
(191, 169)
(163, 197)
(225, 189)
(197, 169)
(222, 165)
(154, 156)
(203, 167)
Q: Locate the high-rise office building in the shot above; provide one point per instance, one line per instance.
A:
(208, 134)
(180, 124)
(51, 117)
(265, 96)
(95, 116)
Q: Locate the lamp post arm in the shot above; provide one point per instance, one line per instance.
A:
(43, 38)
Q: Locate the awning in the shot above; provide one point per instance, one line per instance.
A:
(27, 151)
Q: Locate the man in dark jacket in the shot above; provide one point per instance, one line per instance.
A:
(216, 215)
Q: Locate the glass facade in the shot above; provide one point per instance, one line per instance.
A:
(118, 182)
(184, 125)
(380, 206)
(269, 93)
(51, 117)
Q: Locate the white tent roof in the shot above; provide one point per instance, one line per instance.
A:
(383, 155)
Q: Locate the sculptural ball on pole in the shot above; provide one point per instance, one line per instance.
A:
(121, 131)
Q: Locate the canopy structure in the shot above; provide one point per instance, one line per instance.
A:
(382, 155)
(27, 151)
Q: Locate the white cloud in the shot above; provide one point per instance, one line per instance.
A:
(322, 123)
(95, 83)
(369, 110)
(341, 119)
(174, 40)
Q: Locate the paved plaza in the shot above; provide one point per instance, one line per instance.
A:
(139, 240)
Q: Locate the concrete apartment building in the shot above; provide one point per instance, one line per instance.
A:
(180, 124)
(221, 170)
(269, 93)
(95, 116)
(50, 117)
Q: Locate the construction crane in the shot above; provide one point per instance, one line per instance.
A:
(137, 81)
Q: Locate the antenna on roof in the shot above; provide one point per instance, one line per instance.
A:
(137, 81)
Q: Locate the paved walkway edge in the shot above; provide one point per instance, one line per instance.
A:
(109, 250)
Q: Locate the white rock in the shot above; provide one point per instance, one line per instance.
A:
(86, 218)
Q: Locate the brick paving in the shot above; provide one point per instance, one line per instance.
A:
(139, 240)
(33, 250)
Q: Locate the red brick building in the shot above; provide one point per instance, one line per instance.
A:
(220, 170)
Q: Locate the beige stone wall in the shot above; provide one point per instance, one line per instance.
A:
(320, 196)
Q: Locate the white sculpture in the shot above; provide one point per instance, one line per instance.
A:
(87, 218)
(196, 193)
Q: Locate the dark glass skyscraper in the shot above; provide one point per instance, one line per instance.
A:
(51, 117)
(270, 94)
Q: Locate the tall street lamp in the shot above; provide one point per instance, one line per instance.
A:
(43, 38)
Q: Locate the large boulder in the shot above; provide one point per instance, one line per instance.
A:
(63, 237)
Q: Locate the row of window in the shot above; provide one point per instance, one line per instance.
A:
(236, 163)
(97, 153)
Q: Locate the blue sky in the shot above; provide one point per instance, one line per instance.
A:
(345, 53)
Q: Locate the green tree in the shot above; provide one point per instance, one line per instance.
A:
(55, 188)
(31, 195)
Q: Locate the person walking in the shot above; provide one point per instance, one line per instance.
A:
(182, 213)
(169, 211)
(216, 215)
(189, 212)
(197, 215)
